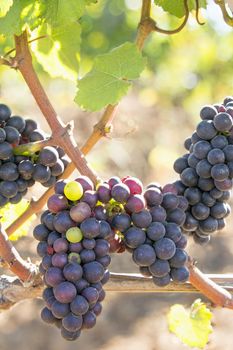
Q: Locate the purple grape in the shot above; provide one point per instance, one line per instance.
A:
(81, 284)
(121, 222)
(85, 182)
(93, 272)
(144, 255)
(182, 243)
(135, 203)
(47, 316)
(156, 231)
(75, 247)
(52, 237)
(62, 221)
(114, 181)
(142, 219)
(54, 276)
(104, 193)
(134, 237)
(97, 309)
(79, 305)
(101, 248)
(59, 186)
(89, 320)
(72, 272)
(71, 336)
(65, 292)
(153, 196)
(100, 213)
(87, 256)
(88, 243)
(162, 281)
(90, 197)
(91, 294)
(180, 275)
(165, 248)
(104, 260)
(72, 323)
(158, 213)
(59, 260)
(159, 268)
(120, 192)
(90, 228)
(60, 310)
(179, 259)
(60, 245)
(173, 231)
(57, 203)
(80, 212)
(40, 232)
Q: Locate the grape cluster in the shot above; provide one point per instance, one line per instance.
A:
(75, 255)
(206, 171)
(150, 225)
(17, 173)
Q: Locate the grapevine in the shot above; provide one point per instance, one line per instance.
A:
(88, 219)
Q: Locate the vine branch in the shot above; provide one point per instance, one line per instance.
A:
(227, 18)
(61, 133)
(13, 291)
(24, 270)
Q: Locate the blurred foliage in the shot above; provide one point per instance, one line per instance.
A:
(192, 327)
(10, 212)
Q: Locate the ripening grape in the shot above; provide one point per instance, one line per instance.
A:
(73, 190)
(74, 235)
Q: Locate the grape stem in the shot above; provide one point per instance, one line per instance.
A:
(227, 18)
(214, 292)
(13, 291)
(24, 270)
(61, 133)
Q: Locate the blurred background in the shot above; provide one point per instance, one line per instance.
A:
(184, 72)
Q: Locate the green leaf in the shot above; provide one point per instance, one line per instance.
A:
(193, 327)
(21, 14)
(60, 13)
(10, 212)
(59, 52)
(89, 2)
(4, 7)
(176, 8)
(110, 77)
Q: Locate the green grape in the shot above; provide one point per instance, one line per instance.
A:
(74, 235)
(73, 191)
(74, 257)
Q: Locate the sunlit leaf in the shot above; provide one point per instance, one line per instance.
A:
(110, 77)
(10, 212)
(191, 327)
(177, 8)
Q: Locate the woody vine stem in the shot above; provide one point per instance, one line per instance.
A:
(29, 284)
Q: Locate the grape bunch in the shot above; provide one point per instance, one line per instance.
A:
(150, 226)
(18, 172)
(206, 171)
(75, 255)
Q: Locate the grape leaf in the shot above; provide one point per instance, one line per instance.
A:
(176, 8)
(193, 327)
(20, 14)
(58, 53)
(10, 212)
(89, 2)
(4, 7)
(60, 13)
(110, 77)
